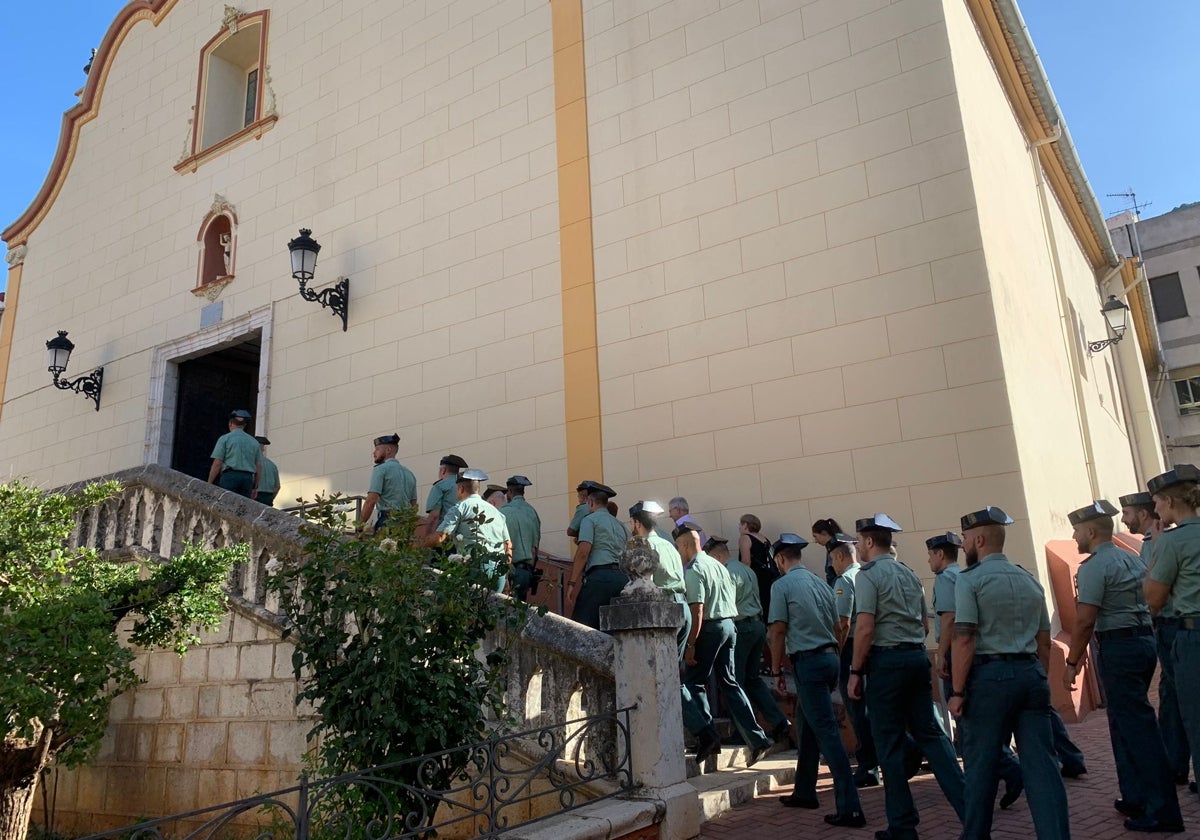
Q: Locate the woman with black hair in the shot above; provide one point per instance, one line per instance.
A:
(824, 532)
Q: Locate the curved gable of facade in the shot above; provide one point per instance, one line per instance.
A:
(83, 113)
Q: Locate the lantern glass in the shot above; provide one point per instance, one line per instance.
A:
(1116, 313)
(58, 353)
(304, 250)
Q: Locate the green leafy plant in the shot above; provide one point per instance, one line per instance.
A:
(387, 648)
(63, 659)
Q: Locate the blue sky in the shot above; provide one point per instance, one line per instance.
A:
(1124, 72)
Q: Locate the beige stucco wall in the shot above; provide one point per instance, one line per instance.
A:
(1039, 339)
(421, 151)
(794, 312)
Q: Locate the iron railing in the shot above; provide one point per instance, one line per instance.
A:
(488, 788)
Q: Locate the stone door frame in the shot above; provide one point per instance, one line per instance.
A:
(164, 377)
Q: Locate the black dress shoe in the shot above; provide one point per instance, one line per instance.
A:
(1073, 772)
(784, 730)
(866, 780)
(757, 753)
(1181, 779)
(1192, 787)
(1128, 808)
(854, 819)
(708, 745)
(1012, 792)
(1151, 825)
(793, 801)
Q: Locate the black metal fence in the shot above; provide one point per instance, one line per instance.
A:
(479, 790)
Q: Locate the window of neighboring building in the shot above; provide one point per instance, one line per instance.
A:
(233, 98)
(1187, 394)
(1167, 293)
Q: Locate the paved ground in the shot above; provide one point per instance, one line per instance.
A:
(1091, 797)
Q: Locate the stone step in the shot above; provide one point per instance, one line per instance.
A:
(734, 784)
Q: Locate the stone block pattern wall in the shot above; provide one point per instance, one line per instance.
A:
(795, 316)
(217, 725)
(417, 140)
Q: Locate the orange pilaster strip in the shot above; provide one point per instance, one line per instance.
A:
(7, 323)
(581, 367)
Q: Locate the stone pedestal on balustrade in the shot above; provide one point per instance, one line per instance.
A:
(643, 625)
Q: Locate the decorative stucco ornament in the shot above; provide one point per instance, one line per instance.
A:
(15, 256)
(230, 19)
(221, 204)
(269, 105)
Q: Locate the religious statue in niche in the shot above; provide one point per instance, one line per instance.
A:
(227, 252)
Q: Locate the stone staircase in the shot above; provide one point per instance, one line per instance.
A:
(726, 782)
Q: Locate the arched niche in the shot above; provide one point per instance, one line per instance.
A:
(217, 243)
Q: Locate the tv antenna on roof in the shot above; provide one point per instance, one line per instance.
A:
(1130, 196)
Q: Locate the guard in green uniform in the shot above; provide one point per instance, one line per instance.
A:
(1137, 514)
(1000, 654)
(1111, 606)
(268, 482)
(443, 495)
(802, 619)
(889, 650)
(237, 458)
(581, 508)
(669, 574)
(525, 528)
(1176, 576)
(842, 553)
(709, 652)
(750, 639)
(596, 578)
(393, 486)
(943, 562)
(479, 532)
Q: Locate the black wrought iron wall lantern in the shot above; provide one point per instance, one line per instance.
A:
(304, 250)
(58, 352)
(1116, 315)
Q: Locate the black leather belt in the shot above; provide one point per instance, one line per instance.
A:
(1166, 621)
(822, 649)
(244, 472)
(747, 618)
(1124, 633)
(1190, 622)
(523, 564)
(983, 658)
(901, 646)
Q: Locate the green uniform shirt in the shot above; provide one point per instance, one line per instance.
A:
(581, 512)
(1005, 603)
(395, 484)
(943, 595)
(524, 527)
(489, 536)
(745, 589)
(1177, 564)
(888, 590)
(1147, 555)
(709, 583)
(442, 497)
(669, 574)
(1111, 579)
(606, 536)
(238, 451)
(806, 603)
(269, 482)
(843, 595)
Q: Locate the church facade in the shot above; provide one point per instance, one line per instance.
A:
(797, 258)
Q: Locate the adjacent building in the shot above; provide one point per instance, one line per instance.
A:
(804, 259)
(1168, 246)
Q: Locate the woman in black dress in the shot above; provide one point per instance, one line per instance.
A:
(755, 551)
